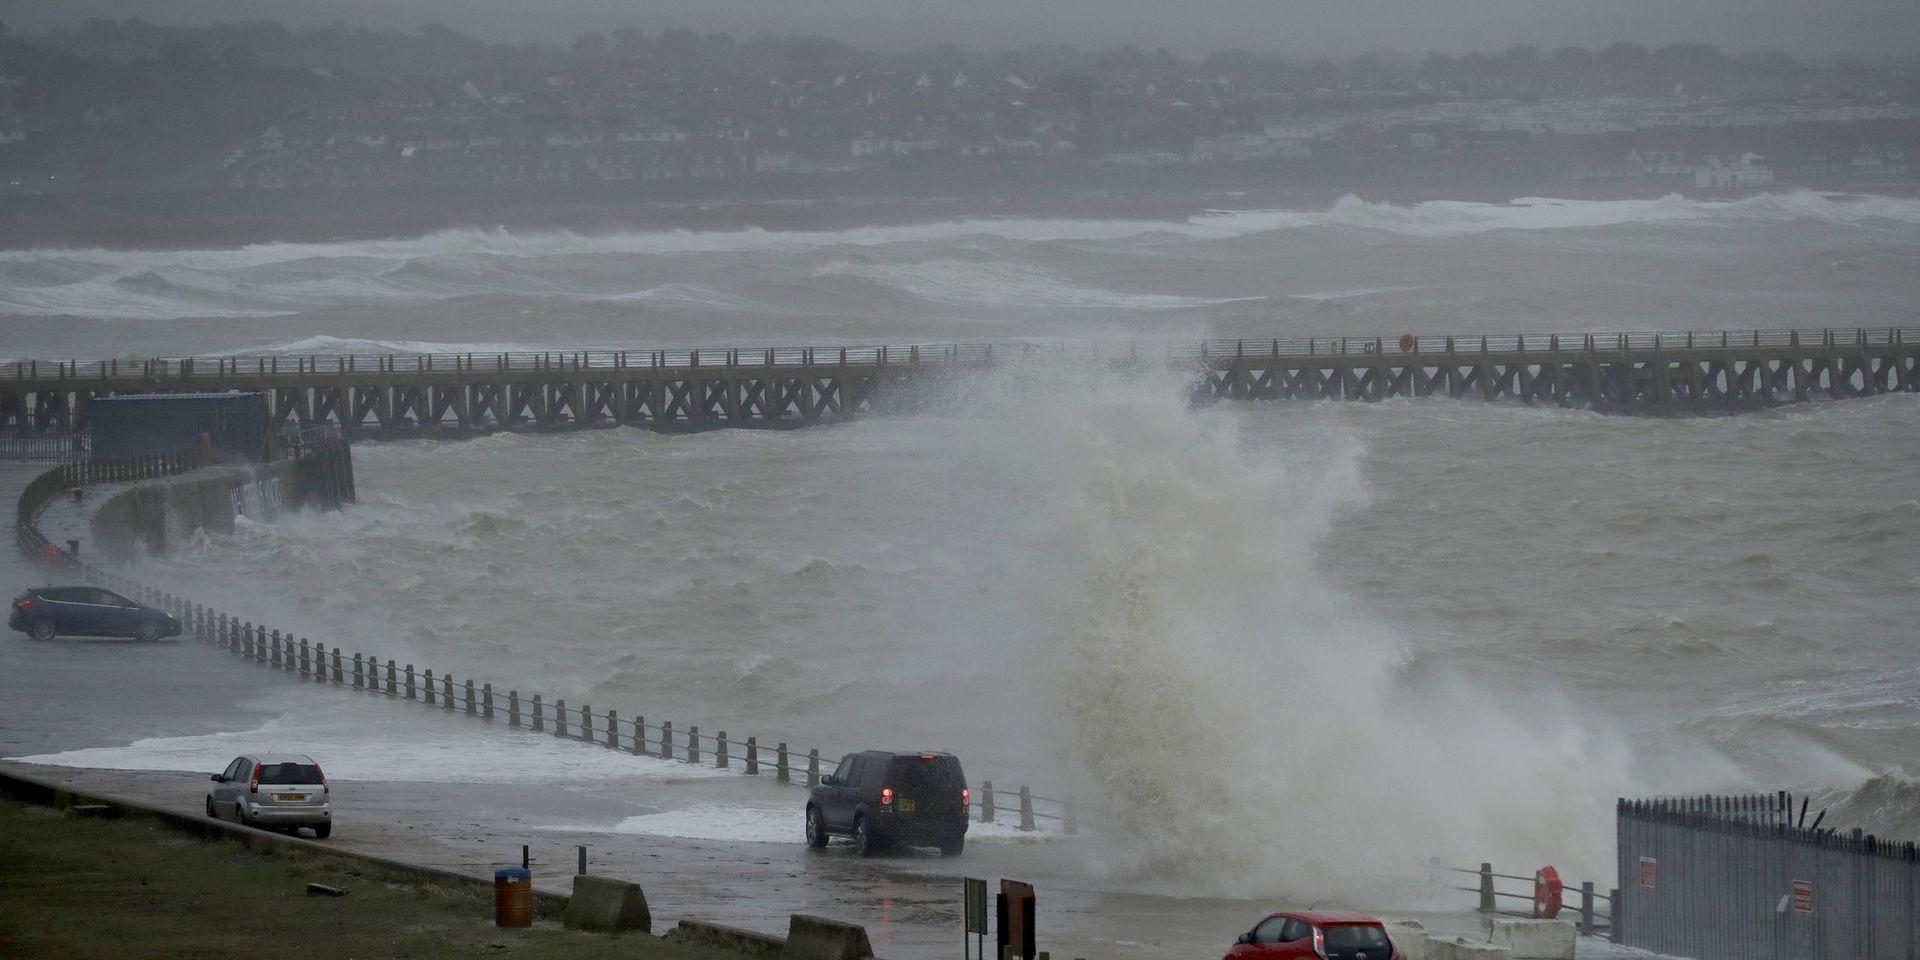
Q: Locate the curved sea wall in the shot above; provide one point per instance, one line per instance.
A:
(152, 516)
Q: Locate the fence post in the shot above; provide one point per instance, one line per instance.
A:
(782, 773)
(486, 701)
(693, 743)
(640, 736)
(446, 691)
(275, 640)
(613, 730)
(359, 674)
(666, 740)
(987, 812)
(753, 757)
(222, 634)
(1026, 809)
(392, 689)
(813, 767)
(339, 676)
(1586, 907)
(513, 708)
(720, 751)
(1486, 888)
(473, 709)
(413, 688)
(1068, 822)
(539, 722)
(306, 653)
(429, 678)
(586, 723)
(559, 717)
(1614, 913)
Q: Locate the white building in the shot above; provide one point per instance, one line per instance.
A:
(1748, 172)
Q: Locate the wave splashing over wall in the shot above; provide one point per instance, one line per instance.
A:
(1240, 727)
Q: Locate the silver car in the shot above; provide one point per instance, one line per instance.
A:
(282, 791)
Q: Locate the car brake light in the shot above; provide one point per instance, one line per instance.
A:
(1320, 943)
(253, 782)
(886, 796)
(26, 603)
(325, 787)
(966, 796)
(926, 756)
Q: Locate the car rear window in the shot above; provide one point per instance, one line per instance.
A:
(289, 773)
(1356, 937)
(918, 776)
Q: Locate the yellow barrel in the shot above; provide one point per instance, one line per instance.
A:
(513, 897)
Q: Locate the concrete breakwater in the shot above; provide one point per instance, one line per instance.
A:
(410, 394)
(367, 674)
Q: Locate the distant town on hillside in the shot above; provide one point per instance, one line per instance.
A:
(248, 108)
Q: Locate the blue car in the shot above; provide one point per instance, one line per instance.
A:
(44, 613)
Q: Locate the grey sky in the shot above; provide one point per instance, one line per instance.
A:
(1298, 27)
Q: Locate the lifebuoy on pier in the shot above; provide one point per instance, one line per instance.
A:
(1406, 343)
(1547, 890)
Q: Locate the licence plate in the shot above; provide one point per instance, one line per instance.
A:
(290, 797)
(906, 806)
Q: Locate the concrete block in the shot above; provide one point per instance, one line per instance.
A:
(1537, 939)
(1455, 948)
(606, 905)
(762, 945)
(817, 938)
(1408, 937)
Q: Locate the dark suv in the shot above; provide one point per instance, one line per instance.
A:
(879, 798)
(47, 612)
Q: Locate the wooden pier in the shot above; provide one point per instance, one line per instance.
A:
(404, 394)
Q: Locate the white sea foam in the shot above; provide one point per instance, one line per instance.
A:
(381, 744)
(1000, 284)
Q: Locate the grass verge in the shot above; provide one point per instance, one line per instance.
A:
(86, 888)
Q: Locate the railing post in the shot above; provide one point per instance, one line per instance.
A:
(413, 688)
(613, 730)
(813, 767)
(586, 723)
(640, 736)
(539, 722)
(392, 690)
(306, 652)
(275, 640)
(559, 717)
(338, 676)
(1614, 913)
(1026, 809)
(987, 812)
(446, 691)
(693, 743)
(666, 740)
(429, 677)
(473, 709)
(486, 701)
(1586, 907)
(720, 758)
(513, 708)
(782, 773)
(753, 757)
(1486, 888)
(359, 677)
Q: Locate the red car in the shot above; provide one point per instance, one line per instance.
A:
(1315, 935)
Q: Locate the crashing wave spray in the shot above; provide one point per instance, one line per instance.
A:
(1238, 727)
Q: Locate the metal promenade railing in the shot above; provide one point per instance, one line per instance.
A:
(1593, 911)
(216, 368)
(364, 673)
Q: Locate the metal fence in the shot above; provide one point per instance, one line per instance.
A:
(1743, 878)
(57, 449)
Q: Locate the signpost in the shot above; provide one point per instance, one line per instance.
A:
(976, 910)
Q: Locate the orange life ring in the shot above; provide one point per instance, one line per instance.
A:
(1406, 343)
(1547, 890)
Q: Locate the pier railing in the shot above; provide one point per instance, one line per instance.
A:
(218, 368)
(364, 673)
(1592, 910)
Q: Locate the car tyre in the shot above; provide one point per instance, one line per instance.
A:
(42, 630)
(816, 830)
(149, 630)
(323, 831)
(863, 842)
(212, 814)
(953, 847)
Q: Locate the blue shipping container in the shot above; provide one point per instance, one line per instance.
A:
(138, 426)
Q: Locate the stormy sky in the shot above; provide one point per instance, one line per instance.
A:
(1295, 27)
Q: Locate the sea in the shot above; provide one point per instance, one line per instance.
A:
(1263, 644)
